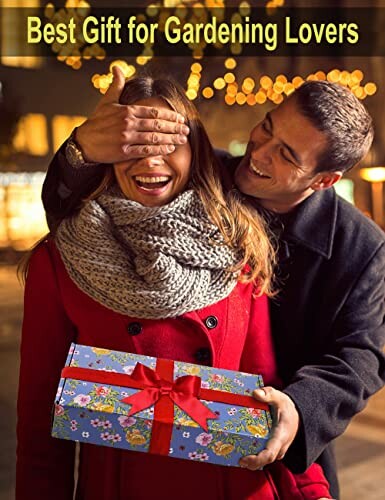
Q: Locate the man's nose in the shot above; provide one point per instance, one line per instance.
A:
(262, 151)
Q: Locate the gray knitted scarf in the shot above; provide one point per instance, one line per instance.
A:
(147, 262)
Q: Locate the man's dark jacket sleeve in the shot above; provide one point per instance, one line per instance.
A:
(337, 386)
(65, 187)
(328, 320)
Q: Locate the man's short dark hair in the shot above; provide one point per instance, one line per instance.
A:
(335, 111)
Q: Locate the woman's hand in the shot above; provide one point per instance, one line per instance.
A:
(116, 132)
(284, 431)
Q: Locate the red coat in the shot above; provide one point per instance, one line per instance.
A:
(58, 313)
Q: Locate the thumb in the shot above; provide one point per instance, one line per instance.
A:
(264, 394)
(116, 87)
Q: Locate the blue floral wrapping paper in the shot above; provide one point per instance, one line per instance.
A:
(93, 413)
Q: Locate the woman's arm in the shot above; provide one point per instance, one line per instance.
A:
(45, 465)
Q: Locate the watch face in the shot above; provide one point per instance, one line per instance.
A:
(73, 155)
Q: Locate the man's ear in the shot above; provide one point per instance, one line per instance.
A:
(325, 180)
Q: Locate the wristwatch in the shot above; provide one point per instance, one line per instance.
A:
(74, 154)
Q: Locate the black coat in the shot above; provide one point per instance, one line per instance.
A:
(328, 319)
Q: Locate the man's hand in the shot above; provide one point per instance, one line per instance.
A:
(284, 431)
(115, 132)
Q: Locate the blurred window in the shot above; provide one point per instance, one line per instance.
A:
(12, 25)
(345, 188)
(31, 135)
(62, 126)
(22, 218)
(237, 148)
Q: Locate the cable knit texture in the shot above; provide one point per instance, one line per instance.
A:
(147, 262)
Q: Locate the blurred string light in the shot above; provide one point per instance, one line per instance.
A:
(69, 53)
(73, 54)
(188, 11)
(273, 5)
(251, 91)
(199, 14)
(103, 81)
(193, 82)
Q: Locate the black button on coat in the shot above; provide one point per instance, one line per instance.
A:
(134, 328)
(203, 355)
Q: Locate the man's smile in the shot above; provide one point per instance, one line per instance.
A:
(258, 171)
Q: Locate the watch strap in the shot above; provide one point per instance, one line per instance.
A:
(74, 154)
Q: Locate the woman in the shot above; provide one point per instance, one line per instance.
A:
(154, 264)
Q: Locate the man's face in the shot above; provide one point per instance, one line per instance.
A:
(281, 157)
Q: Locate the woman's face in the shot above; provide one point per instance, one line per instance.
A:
(156, 180)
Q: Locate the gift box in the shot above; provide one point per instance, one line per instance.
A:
(153, 405)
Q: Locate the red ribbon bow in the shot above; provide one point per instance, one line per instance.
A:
(184, 392)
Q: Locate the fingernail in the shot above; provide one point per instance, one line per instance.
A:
(170, 148)
(183, 139)
(180, 119)
(185, 129)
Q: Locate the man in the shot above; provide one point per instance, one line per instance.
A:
(328, 318)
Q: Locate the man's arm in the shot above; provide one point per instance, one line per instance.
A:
(325, 395)
(329, 393)
(65, 187)
(112, 134)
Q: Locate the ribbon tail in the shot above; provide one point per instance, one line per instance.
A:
(141, 400)
(194, 409)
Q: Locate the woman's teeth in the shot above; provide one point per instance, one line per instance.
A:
(151, 182)
(148, 180)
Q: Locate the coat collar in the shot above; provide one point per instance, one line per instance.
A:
(313, 223)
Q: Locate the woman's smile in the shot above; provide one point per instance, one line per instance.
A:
(153, 184)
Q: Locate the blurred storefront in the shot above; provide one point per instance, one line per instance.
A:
(22, 220)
